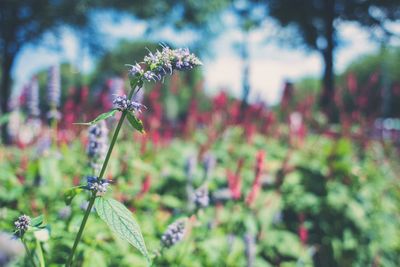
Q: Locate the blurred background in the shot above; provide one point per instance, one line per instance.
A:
(292, 125)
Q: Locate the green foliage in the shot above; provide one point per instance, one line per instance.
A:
(127, 52)
(307, 86)
(135, 122)
(100, 117)
(385, 60)
(37, 221)
(71, 193)
(300, 16)
(348, 195)
(121, 222)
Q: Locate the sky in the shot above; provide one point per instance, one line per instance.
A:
(270, 66)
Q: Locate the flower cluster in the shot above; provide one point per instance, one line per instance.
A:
(250, 248)
(165, 62)
(135, 69)
(97, 185)
(33, 98)
(54, 86)
(190, 167)
(175, 233)
(122, 103)
(201, 198)
(209, 162)
(65, 212)
(97, 146)
(22, 223)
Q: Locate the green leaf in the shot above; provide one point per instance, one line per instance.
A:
(101, 117)
(70, 193)
(37, 221)
(4, 118)
(135, 122)
(121, 222)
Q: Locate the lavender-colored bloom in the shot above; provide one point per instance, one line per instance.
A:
(184, 60)
(10, 248)
(32, 98)
(54, 87)
(122, 103)
(98, 144)
(201, 198)
(209, 162)
(138, 96)
(174, 233)
(97, 185)
(135, 69)
(190, 167)
(149, 76)
(164, 62)
(43, 145)
(53, 114)
(64, 213)
(250, 249)
(22, 223)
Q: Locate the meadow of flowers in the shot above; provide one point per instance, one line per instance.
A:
(226, 185)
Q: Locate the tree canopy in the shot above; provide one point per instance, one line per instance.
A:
(26, 22)
(314, 23)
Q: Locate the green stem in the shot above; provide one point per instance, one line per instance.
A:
(101, 175)
(28, 252)
(113, 141)
(54, 126)
(40, 254)
(80, 232)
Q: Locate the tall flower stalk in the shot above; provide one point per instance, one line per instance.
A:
(93, 195)
(33, 98)
(53, 99)
(154, 68)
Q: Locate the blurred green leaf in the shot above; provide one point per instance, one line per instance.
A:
(37, 221)
(70, 193)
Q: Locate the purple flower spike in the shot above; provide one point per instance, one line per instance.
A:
(22, 223)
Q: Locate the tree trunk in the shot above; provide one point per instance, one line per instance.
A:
(327, 98)
(245, 69)
(5, 89)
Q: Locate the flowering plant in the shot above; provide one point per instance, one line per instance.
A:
(120, 220)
